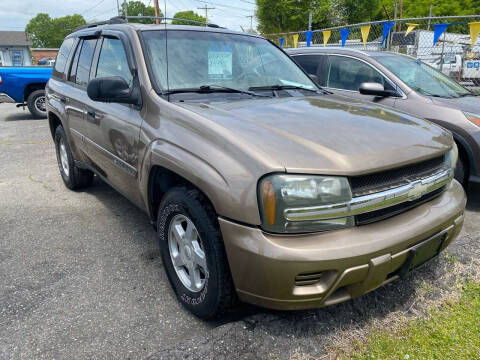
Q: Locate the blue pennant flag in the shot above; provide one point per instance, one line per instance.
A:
(308, 35)
(344, 35)
(387, 26)
(281, 41)
(438, 30)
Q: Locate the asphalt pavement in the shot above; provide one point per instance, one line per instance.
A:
(81, 276)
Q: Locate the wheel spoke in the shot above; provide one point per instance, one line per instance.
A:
(177, 260)
(179, 233)
(199, 256)
(190, 233)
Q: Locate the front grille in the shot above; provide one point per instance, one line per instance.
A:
(389, 179)
(308, 278)
(370, 217)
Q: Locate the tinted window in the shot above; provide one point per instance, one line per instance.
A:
(85, 61)
(73, 67)
(113, 60)
(315, 65)
(62, 57)
(348, 74)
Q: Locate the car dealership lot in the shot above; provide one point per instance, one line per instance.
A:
(81, 275)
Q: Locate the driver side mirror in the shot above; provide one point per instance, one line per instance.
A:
(376, 89)
(113, 89)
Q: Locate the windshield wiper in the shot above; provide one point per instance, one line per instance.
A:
(212, 89)
(282, 87)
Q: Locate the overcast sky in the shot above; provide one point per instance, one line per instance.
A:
(15, 14)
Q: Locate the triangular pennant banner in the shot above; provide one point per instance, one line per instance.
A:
(474, 32)
(365, 31)
(438, 30)
(281, 40)
(295, 40)
(410, 28)
(344, 35)
(387, 26)
(326, 36)
(308, 37)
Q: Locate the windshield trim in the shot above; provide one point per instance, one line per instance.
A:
(162, 91)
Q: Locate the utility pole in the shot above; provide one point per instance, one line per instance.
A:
(125, 5)
(118, 8)
(251, 22)
(157, 11)
(310, 20)
(206, 8)
(430, 16)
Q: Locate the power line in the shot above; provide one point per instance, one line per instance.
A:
(93, 7)
(248, 2)
(226, 6)
(206, 8)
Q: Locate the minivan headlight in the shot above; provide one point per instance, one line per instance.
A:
(284, 201)
(474, 118)
(451, 157)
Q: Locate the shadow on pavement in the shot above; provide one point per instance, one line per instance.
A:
(21, 115)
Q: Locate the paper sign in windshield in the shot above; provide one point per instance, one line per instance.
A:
(220, 63)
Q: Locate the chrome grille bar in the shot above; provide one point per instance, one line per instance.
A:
(372, 202)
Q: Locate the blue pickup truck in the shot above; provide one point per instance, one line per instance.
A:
(25, 86)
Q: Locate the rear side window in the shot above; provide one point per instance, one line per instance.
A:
(85, 62)
(314, 65)
(62, 57)
(113, 61)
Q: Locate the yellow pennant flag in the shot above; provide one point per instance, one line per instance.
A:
(410, 28)
(474, 31)
(326, 36)
(365, 31)
(295, 40)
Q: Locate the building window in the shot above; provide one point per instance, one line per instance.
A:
(17, 57)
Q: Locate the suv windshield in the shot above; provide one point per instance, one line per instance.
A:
(421, 77)
(182, 59)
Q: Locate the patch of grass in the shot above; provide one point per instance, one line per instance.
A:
(452, 259)
(450, 332)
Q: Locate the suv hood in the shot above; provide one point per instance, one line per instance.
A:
(326, 134)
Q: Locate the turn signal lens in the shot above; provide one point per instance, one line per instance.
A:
(473, 118)
(268, 201)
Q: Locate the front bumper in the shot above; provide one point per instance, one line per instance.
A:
(4, 98)
(289, 272)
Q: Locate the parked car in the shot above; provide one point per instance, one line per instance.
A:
(458, 68)
(260, 184)
(25, 85)
(406, 84)
(49, 61)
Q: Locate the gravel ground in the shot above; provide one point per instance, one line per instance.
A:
(81, 276)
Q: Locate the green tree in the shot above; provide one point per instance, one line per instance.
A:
(292, 15)
(47, 32)
(357, 11)
(188, 15)
(138, 8)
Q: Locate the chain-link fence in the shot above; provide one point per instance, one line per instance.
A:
(452, 54)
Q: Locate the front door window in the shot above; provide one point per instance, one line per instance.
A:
(17, 57)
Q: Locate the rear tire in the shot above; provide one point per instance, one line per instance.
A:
(36, 104)
(73, 177)
(461, 170)
(213, 292)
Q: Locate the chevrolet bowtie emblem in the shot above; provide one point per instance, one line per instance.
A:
(416, 191)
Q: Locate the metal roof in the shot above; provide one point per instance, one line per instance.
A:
(14, 38)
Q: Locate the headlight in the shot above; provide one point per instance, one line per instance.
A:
(473, 118)
(283, 197)
(451, 157)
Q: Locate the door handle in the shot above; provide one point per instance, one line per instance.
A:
(63, 99)
(91, 113)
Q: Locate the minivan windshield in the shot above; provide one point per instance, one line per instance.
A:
(185, 59)
(421, 77)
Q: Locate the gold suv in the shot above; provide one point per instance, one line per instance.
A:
(261, 185)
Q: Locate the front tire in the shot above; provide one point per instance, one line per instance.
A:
(36, 104)
(73, 177)
(461, 170)
(193, 253)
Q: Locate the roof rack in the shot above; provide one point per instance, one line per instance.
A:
(178, 19)
(124, 20)
(113, 20)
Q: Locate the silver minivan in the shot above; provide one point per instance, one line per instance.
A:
(406, 84)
